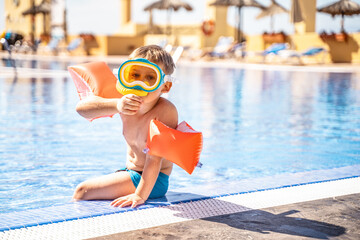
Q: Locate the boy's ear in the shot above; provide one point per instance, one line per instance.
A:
(167, 87)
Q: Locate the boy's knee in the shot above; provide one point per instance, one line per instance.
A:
(80, 192)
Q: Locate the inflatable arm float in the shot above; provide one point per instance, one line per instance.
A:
(181, 146)
(94, 78)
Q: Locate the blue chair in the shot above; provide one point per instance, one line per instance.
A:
(53, 44)
(310, 52)
(313, 51)
(222, 48)
(272, 51)
(74, 44)
(52, 47)
(275, 48)
(162, 43)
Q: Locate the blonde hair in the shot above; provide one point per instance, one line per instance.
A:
(157, 55)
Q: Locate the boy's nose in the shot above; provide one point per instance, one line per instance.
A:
(142, 77)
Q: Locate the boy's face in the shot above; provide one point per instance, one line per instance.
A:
(142, 77)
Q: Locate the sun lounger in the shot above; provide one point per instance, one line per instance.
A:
(222, 48)
(74, 44)
(275, 48)
(269, 53)
(313, 52)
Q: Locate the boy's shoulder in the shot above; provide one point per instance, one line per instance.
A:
(167, 112)
(165, 103)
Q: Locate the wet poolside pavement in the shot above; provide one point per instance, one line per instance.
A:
(330, 218)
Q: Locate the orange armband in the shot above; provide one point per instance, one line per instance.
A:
(94, 78)
(181, 146)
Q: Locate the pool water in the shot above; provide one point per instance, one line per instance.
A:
(255, 124)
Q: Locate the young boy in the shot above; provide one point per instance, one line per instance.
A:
(145, 175)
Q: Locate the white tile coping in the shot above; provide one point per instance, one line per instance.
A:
(135, 220)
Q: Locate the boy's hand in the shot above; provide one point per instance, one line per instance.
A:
(131, 199)
(129, 104)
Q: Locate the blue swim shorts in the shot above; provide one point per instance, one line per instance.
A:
(161, 185)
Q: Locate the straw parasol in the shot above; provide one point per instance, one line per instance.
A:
(342, 7)
(273, 9)
(239, 4)
(168, 5)
(43, 8)
(296, 14)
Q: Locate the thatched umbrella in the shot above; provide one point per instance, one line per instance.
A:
(168, 5)
(274, 9)
(296, 14)
(43, 8)
(239, 4)
(342, 7)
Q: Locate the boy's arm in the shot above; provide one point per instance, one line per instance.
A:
(149, 176)
(94, 106)
(146, 184)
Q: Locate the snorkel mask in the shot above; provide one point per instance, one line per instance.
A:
(140, 76)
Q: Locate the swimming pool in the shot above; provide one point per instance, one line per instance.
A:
(255, 123)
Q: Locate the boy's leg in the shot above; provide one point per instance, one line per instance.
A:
(105, 187)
